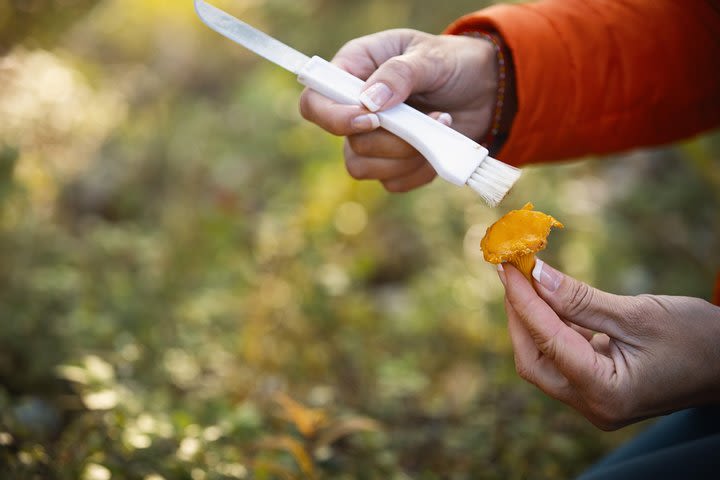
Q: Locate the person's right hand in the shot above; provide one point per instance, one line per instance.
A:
(616, 359)
(454, 78)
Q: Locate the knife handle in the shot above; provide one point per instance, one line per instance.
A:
(453, 156)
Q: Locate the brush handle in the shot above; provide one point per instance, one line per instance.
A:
(453, 156)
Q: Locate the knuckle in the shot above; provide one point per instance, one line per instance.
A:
(523, 370)
(581, 297)
(400, 67)
(548, 345)
(436, 53)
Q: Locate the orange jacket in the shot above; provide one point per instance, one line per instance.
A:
(603, 76)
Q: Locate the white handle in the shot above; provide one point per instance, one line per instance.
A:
(453, 156)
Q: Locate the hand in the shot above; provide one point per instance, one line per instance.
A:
(616, 359)
(455, 75)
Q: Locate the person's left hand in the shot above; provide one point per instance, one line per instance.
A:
(616, 359)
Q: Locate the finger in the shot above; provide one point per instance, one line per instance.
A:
(400, 76)
(585, 332)
(442, 117)
(381, 143)
(567, 349)
(334, 117)
(362, 56)
(578, 302)
(601, 343)
(373, 168)
(423, 175)
(531, 364)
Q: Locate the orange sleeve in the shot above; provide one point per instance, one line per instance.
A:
(600, 76)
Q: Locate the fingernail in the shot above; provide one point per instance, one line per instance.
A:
(445, 119)
(368, 121)
(501, 273)
(376, 96)
(546, 276)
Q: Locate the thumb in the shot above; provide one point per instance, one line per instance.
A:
(578, 302)
(399, 77)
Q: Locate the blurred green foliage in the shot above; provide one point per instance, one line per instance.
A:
(192, 287)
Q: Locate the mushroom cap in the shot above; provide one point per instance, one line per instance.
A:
(517, 233)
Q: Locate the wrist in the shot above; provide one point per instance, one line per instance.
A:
(505, 106)
(714, 316)
(699, 324)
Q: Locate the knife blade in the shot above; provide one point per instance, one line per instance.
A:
(250, 37)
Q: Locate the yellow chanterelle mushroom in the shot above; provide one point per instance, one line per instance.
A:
(516, 237)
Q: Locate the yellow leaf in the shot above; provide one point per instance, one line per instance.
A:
(307, 420)
(345, 427)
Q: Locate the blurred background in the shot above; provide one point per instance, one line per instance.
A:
(192, 287)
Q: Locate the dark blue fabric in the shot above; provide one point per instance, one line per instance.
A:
(683, 445)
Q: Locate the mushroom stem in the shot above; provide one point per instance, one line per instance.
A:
(525, 263)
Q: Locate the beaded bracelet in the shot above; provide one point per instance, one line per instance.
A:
(494, 129)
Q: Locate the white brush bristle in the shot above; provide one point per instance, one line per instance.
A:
(493, 179)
